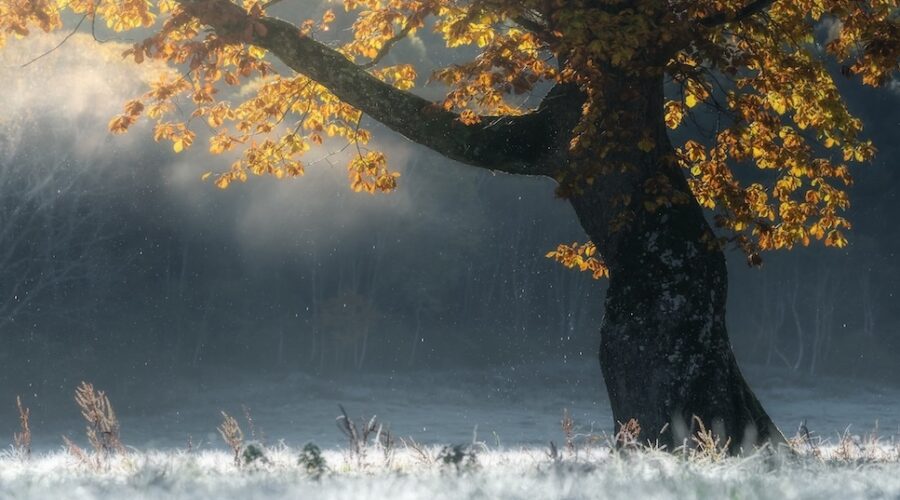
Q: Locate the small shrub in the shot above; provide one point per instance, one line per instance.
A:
(461, 457)
(312, 461)
(254, 454)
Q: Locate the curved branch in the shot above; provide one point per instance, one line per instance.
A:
(512, 144)
(57, 46)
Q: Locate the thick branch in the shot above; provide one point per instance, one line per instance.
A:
(751, 9)
(512, 144)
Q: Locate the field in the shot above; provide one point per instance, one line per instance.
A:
(501, 474)
(465, 434)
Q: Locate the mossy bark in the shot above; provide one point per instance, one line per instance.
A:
(665, 353)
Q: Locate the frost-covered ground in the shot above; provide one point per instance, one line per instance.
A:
(527, 473)
(513, 412)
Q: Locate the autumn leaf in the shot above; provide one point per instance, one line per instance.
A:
(674, 112)
(690, 100)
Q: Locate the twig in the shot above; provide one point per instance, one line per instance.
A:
(60, 44)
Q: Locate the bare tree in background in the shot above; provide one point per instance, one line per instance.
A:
(826, 297)
(868, 303)
(772, 316)
(52, 230)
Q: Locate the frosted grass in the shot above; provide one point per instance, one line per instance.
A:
(528, 473)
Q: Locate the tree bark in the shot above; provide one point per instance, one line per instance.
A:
(665, 352)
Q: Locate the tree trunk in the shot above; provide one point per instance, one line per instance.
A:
(665, 352)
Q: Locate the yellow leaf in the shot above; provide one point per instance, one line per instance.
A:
(690, 100)
(777, 102)
(835, 239)
(674, 114)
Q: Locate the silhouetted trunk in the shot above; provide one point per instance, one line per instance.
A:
(665, 352)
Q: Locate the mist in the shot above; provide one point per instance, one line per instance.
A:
(120, 266)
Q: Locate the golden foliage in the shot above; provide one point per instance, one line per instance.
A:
(783, 102)
(764, 74)
(581, 256)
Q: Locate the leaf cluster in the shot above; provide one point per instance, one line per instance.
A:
(761, 68)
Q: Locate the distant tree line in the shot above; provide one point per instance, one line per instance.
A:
(109, 278)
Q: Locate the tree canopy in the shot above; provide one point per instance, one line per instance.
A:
(751, 82)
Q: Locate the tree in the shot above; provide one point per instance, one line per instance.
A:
(750, 76)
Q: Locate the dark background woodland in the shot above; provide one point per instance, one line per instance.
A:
(117, 261)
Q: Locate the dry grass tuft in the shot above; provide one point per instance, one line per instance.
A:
(362, 432)
(233, 435)
(847, 448)
(79, 454)
(421, 452)
(568, 427)
(707, 446)
(860, 449)
(553, 453)
(804, 442)
(22, 439)
(103, 425)
(628, 435)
